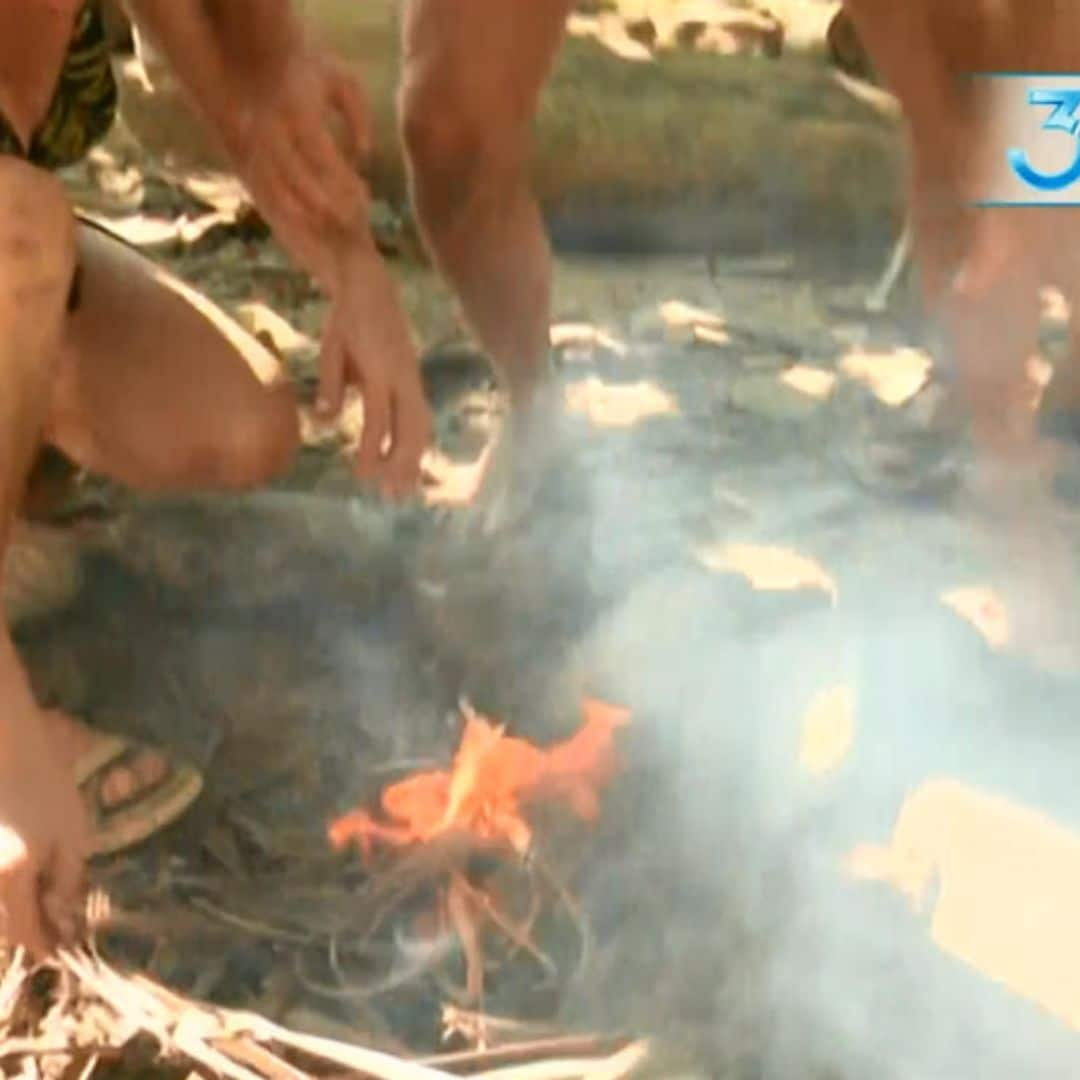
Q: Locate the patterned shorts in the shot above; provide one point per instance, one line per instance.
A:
(84, 102)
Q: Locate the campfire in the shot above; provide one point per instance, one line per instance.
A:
(493, 777)
(493, 774)
(455, 854)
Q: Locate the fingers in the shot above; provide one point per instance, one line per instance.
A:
(347, 97)
(332, 364)
(340, 189)
(412, 436)
(292, 174)
(21, 921)
(396, 430)
(376, 431)
(396, 435)
(65, 889)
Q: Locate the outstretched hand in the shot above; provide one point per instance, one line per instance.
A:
(367, 345)
(300, 157)
(43, 841)
(300, 146)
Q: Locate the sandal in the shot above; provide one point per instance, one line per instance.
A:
(153, 806)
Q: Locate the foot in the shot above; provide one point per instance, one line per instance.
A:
(1031, 556)
(130, 791)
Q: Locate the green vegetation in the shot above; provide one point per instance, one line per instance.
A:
(760, 150)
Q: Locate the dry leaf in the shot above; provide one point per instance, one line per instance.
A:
(828, 730)
(582, 335)
(610, 31)
(1039, 370)
(1055, 308)
(711, 335)
(219, 191)
(814, 382)
(1008, 887)
(769, 569)
(617, 406)
(260, 321)
(679, 313)
(143, 231)
(984, 609)
(894, 376)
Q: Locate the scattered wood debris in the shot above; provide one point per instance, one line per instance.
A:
(79, 1013)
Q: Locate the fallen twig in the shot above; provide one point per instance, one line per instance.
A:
(619, 1065)
(521, 1053)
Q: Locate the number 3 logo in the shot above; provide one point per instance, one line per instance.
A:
(1062, 117)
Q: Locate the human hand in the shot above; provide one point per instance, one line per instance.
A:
(367, 344)
(299, 143)
(43, 839)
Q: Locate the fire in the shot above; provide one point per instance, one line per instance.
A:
(492, 776)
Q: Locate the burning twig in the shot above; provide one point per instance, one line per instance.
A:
(492, 775)
(577, 917)
(519, 935)
(420, 960)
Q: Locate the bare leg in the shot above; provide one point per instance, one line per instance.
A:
(37, 261)
(1062, 398)
(992, 320)
(158, 389)
(473, 74)
(42, 832)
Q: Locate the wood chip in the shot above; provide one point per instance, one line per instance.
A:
(828, 730)
(984, 609)
(769, 569)
(894, 376)
(610, 405)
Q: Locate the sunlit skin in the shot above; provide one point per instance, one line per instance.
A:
(466, 131)
(982, 269)
(148, 383)
(98, 384)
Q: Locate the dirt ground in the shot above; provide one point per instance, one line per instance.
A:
(749, 535)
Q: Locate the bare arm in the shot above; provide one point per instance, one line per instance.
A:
(239, 63)
(291, 118)
(188, 35)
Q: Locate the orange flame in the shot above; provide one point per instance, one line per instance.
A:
(491, 776)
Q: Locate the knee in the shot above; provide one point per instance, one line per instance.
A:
(259, 443)
(37, 238)
(458, 148)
